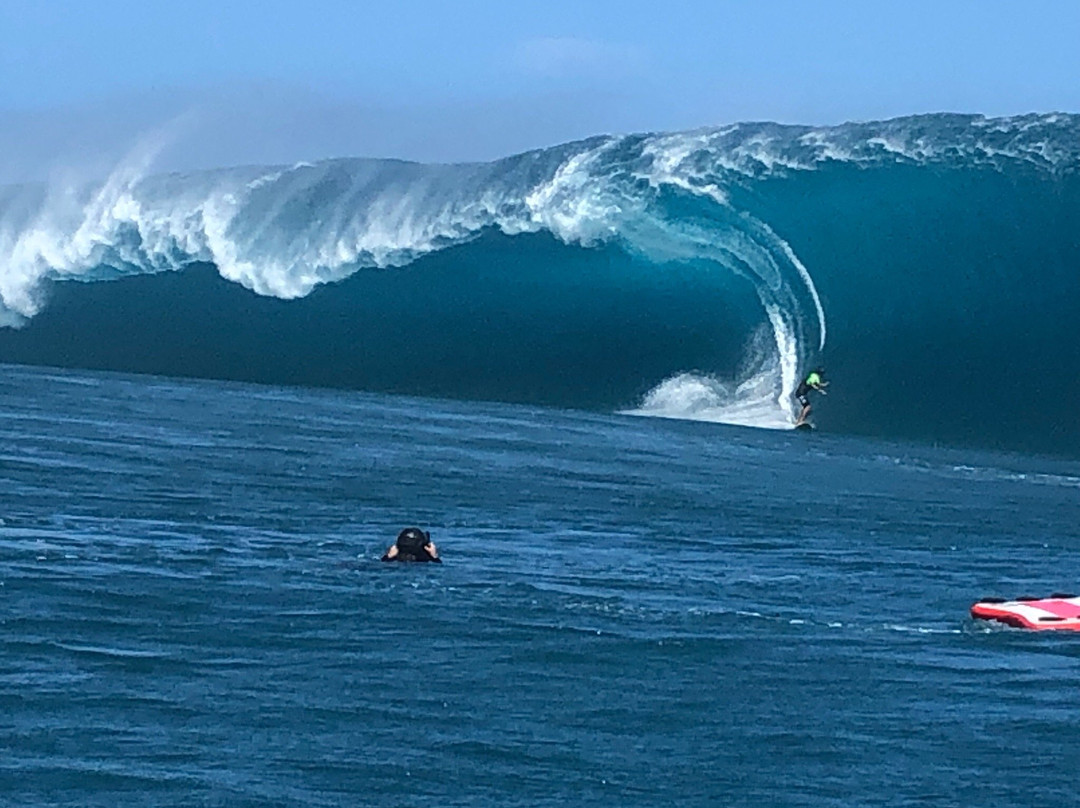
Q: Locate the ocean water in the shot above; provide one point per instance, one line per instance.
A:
(631, 612)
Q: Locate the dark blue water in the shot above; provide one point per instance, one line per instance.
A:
(632, 611)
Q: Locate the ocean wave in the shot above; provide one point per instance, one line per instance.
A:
(670, 200)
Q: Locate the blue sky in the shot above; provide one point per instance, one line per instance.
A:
(278, 81)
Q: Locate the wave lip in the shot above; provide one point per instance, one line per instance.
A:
(283, 230)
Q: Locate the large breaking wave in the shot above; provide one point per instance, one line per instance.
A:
(686, 275)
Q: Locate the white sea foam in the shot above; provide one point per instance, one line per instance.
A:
(760, 396)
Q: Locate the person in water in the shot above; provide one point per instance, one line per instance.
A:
(413, 544)
(815, 381)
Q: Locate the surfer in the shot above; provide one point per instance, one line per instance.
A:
(413, 544)
(814, 381)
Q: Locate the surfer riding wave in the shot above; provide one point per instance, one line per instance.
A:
(815, 381)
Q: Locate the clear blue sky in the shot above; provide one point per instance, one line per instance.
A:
(463, 79)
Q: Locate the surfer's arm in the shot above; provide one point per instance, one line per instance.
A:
(390, 554)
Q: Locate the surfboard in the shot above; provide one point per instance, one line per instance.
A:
(1059, 611)
(806, 426)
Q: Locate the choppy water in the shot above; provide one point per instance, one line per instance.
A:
(631, 612)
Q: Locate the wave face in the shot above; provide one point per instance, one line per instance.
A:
(930, 263)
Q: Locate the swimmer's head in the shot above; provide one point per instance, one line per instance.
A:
(412, 540)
